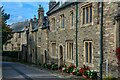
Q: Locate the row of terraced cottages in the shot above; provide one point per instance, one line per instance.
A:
(52, 38)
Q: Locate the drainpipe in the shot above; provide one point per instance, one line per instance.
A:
(26, 54)
(76, 33)
(101, 38)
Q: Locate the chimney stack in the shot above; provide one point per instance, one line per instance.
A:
(51, 3)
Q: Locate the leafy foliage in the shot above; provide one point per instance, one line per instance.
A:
(6, 31)
(11, 53)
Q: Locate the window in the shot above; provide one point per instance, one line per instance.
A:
(70, 50)
(19, 35)
(12, 46)
(16, 39)
(71, 19)
(87, 14)
(6, 47)
(62, 21)
(54, 49)
(18, 46)
(53, 23)
(88, 51)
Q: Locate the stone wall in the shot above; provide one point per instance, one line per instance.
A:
(42, 46)
(60, 36)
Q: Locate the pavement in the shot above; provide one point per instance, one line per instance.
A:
(60, 74)
(18, 71)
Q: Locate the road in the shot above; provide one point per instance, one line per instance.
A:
(18, 71)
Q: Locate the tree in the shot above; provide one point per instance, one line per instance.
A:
(6, 31)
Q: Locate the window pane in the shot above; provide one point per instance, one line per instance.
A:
(72, 50)
(91, 13)
(86, 51)
(83, 15)
(86, 14)
(90, 52)
(72, 18)
(54, 49)
(67, 51)
(53, 24)
(62, 21)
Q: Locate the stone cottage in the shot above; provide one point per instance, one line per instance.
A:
(18, 42)
(68, 27)
(70, 33)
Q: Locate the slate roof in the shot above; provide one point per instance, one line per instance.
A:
(58, 7)
(19, 26)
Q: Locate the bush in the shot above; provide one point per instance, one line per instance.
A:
(83, 69)
(61, 66)
(11, 55)
(49, 66)
(92, 74)
(54, 66)
(78, 74)
(109, 78)
(45, 65)
(71, 68)
(64, 68)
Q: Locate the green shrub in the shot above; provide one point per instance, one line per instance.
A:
(92, 74)
(49, 66)
(54, 66)
(11, 53)
(109, 78)
(71, 67)
(78, 74)
(45, 65)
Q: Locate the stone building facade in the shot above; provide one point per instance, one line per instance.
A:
(62, 35)
(52, 38)
(18, 42)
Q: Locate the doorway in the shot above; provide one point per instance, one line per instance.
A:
(61, 55)
(45, 56)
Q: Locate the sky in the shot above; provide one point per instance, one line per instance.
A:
(21, 11)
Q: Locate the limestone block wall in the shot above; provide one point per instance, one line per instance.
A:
(42, 46)
(109, 38)
(61, 36)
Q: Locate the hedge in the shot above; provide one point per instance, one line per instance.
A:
(11, 53)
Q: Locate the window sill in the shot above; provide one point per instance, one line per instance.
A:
(72, 27)
(62, 29)
(53, 31)
(89, 64)
(71, 61)
(88, 24)
(54, 57)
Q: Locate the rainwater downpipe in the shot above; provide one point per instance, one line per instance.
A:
(101, 39)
